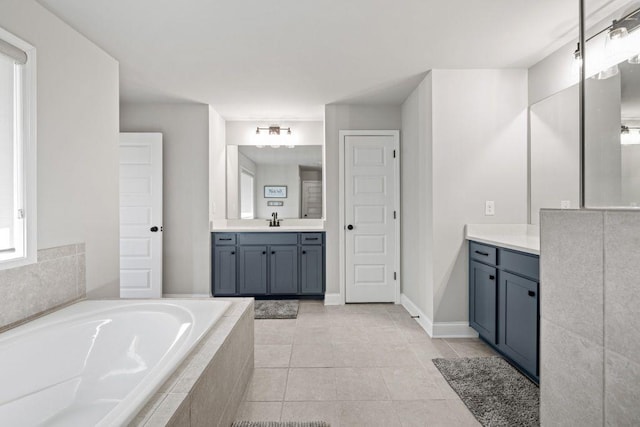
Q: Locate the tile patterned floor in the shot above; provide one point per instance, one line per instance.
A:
(354, 365)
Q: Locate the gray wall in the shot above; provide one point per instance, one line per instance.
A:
(337, 118)
(590, 324)
(185, 134)
(77, 131)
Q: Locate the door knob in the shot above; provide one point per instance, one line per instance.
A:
(154, 229)
(349, 227)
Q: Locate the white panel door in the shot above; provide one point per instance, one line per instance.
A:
(140, 215)
(370, 200)
(311, 199)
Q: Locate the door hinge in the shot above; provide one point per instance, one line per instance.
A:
(395, 276)
(20, 213)
(394, 215)
(394, 154)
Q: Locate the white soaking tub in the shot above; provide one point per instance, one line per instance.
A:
(96, 363)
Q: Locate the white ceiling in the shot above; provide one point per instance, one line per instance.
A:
(285, 59)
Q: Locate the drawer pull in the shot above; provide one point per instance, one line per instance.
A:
(482, 253)
(226, 238)
(310, 238)
(532, 294)
(264, 252)
(304, 252)
(492, 277)
(233, 253)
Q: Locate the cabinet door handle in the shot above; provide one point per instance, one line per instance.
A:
(532, 294)
(492, 277)
(264, 252)
(273, 252)
(233, 253)
(482, 253)
(304, 252)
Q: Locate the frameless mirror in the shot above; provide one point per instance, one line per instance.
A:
(612, 104)
(285, 180)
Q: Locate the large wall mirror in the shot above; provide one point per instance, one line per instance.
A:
(612, 104)
(280, 174)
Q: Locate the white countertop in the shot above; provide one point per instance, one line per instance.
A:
(262, 225)
(267, 229)
(519, 237)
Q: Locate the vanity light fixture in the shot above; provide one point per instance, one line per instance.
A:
(273, 130)
(274, 136)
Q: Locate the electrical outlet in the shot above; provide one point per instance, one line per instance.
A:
(565, 204)
(489, 208)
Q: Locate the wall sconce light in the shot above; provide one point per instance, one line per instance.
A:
(274, 136)
(629, 135)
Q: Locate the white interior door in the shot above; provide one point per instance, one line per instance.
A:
(140, 215)
(370, 208)
(311, 199)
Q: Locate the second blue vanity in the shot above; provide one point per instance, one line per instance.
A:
(268, 264)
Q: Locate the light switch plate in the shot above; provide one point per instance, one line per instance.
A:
(489, 208)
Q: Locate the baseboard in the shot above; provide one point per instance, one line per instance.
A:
(453, 330)
(333, 299)
(422, 319)
(186, 295)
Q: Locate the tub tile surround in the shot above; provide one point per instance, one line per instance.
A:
(359, 364)
(57, 279)
(590, 331)
(207, 388)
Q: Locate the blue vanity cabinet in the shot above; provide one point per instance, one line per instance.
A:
(253, 270)
(277, 264)
(311, 270)
(483, 293)
(224, 270)
(283, 270)
(504, 302)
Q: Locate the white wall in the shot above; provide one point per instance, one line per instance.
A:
(217, 162)
(554, 149)
(337, 118)
(278, 175)
(186, 239)
(631, 175)
(479, 154)
(417, 207)
(77, 132)
(554, 73)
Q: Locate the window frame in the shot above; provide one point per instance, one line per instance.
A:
(247, 172)
(26, 173)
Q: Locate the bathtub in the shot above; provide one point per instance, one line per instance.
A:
(96, 363)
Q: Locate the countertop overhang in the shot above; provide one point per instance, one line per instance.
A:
(519, 237)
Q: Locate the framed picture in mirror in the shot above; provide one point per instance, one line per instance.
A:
(275, 191)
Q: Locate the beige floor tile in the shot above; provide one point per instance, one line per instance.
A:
(411, 384)
(311, 411)
(425, 351)
(312, 356)
(313, 335)
(312, 320)
(346, 334)
(272, 332)
(470, 347)
(259, 411)
(383, 335)
(311, 384)
(354, 355)
(394, 355)
(272, 356)
(311, 307)
(444, 348)
(441, 413)
(360, 384)
(267, 385)
(369, 414)
(412, 331)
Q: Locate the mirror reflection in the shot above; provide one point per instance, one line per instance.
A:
(612, 110)
(263, 180)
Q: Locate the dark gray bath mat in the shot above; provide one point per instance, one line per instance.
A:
(276, 309)
(494, 391)
(280, 424)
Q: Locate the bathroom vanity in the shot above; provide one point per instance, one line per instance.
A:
(271, 264)
(504, 276)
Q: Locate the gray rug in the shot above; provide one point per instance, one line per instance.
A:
(280, 424)
(494, 391)
(276, 309)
